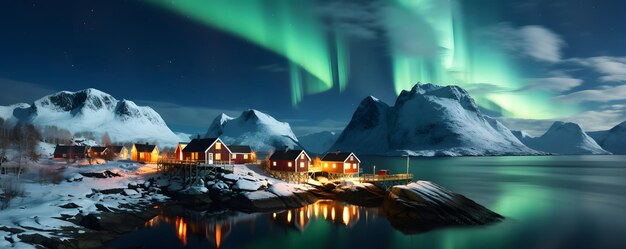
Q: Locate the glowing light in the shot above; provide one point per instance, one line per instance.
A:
(346, 216)
(274, 216)
(332, 213)
(289, 216)
(218, 235)
(285, 27)
(182, 230)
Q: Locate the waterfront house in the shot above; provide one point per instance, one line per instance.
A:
(288, 160)
(242, 154)
(98, 151)
(208, 151)
(120, 152)
(145, 153)
(70, 151)
(338, 162)
(178, 154)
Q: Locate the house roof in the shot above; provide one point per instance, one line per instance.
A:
(240, 149)
(66, 149)
(98, 149)
(286, 154)
(145, 147)
(338, 156)
(199, 144)
(116, 149)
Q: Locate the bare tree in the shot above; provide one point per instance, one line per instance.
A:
(106, 139)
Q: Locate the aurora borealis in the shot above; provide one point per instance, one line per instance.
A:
(429, 41)
(525, 62)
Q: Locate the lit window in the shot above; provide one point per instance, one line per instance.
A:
(301, 164)
(354, 165)
(334, 165)
(234, 156)
(245, 156)
(218, 146)
(325, 165)
(302, 156)
(274, 163)
(218, 156)
(346, 166)
(351, 158)
(289, 164)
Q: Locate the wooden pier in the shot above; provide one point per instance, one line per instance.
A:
(191, 169)
(386, 181)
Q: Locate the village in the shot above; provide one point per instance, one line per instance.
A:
(202, 156)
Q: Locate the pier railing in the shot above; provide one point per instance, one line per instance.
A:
(385, 178)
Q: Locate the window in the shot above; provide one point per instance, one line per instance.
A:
(334, 165)
(301, 164)
(354, 165)
(302, 156)
(218, 156)
(351, 158)
(245, 156)
(218, 146)
(289, 164)
(325, 165)
(346, 166)
(234, 156)
(274, 163)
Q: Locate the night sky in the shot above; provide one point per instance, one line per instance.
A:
(311, 62)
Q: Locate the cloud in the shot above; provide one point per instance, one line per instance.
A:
(361, 20)
(602, 94)
(533, 41)
(14, 92)
(554, 84)
(175, 114)
(612, 69)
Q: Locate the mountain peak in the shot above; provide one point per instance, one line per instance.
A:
(569, 127)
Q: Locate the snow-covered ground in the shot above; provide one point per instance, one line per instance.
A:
(39, 209)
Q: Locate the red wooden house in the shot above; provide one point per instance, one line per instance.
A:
(290, 161)
(98, 151)
(178, 154)
(242, 154)
(341, 163)
(208, 151)
(70, 151)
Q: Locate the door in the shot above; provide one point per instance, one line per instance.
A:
(210, 158)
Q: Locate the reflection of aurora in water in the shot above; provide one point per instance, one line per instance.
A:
(429, 41)
(556, 202)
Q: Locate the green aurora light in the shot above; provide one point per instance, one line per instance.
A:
(437, 47)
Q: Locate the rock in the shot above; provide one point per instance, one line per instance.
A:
(104, 174)
(246, 185)
(230, 177)
(257, 201)
(220, 185)
(112, 191)
(102, 208)
(131, 193)
(364, 194)
(90, 221)
(69, 205)
(422, 206)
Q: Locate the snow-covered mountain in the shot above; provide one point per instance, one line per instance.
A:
(563, 138)
(428, 120)
(258, 130)
(91, 110)
(613, 140)
(318, 142)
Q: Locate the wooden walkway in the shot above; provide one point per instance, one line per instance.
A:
(386, 181)
(191, 169)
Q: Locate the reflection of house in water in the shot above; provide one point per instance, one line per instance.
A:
(214, 229)
(332, 211)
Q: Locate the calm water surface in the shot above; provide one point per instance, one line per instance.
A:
(549, 202)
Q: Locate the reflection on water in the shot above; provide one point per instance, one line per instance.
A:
(217, 228)
(549, 202)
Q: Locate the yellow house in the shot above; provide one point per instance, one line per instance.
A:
(144, 153)
(119, 151)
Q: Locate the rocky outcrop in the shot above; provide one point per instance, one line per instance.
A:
(423, 206)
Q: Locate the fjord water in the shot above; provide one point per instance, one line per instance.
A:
(548, 202)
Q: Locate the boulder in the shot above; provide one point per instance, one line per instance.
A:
(423, 206)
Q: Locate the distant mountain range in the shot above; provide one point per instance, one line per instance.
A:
(91, 110)
(428, 120)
